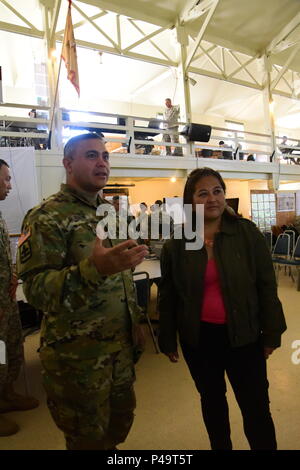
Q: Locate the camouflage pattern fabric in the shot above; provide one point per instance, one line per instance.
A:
(10, 324)
(88, 319)
(92, 400)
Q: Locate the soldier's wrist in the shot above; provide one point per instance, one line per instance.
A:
(98, 268)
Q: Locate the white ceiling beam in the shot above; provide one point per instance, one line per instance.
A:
(119, 31)
(245, 68)
(13, 28)
(129, 11)
(193, 9)
(81, 23)
(223, 60)
(200, 34)
(100, 30)
(242, 66)
(188, 6)
(283, 78)
(145, 38)
(210, 49)
(129, 54)
(285, 67)
(54, 19)
(227, 44)
(18, 14)
(207, 73)
(151, 42)
(213, 61)
(280, 42)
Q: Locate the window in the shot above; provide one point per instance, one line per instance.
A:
(263, 210)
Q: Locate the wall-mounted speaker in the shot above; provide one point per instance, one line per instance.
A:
(196, 132)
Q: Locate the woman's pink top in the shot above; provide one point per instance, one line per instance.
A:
(213, 309)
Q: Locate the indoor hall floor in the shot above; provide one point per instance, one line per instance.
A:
(168, 410)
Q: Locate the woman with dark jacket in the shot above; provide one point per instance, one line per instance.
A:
(222, 301)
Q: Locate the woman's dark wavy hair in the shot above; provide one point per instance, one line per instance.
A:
(193, 179)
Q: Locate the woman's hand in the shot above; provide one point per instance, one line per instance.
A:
(173, 356)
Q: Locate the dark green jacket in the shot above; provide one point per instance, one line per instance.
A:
(248, 287)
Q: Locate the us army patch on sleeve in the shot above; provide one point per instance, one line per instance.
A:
(25, 251)
(24, 236)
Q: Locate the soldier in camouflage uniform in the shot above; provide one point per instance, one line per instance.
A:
(85, 288)
(10, 324)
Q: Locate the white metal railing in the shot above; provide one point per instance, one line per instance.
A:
(133, 133)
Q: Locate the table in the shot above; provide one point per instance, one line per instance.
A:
(151, 266)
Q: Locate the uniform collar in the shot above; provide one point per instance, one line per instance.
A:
(93, 201)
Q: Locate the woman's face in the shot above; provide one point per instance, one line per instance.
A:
(208, 191)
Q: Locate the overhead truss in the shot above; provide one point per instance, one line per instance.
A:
(203, 57)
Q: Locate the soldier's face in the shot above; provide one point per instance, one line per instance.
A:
(89, 168)
(168, 103)
(5, 182)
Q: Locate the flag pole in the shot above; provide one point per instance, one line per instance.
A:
(54, 106)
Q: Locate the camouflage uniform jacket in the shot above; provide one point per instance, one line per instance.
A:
(84, 312)
(171, 115)
(6, 268)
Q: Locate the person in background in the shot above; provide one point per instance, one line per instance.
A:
(10, 325)
(160, 218)
(142, 224)
(117, 203)
(226, 155)
(32, 113)
(91, 335)
(222, 301)
(171, 116)
(287, 152)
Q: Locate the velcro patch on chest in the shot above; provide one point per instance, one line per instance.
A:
(25, 251)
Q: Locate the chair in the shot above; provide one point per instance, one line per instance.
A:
(292, 236)
(142, 283)
(282, 247)
(293, 261)
(281, 251)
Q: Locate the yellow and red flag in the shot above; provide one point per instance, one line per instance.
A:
(68, 53)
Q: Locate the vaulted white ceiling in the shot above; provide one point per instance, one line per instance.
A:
(140, 52)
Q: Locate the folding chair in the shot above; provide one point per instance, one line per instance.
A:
(142, 283)
(293, 261)
(292, 236)
(281, 251)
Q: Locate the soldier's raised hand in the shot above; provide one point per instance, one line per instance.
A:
(113, 260)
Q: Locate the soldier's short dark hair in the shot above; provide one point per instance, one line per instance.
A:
(3, 162)
(74, 141)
